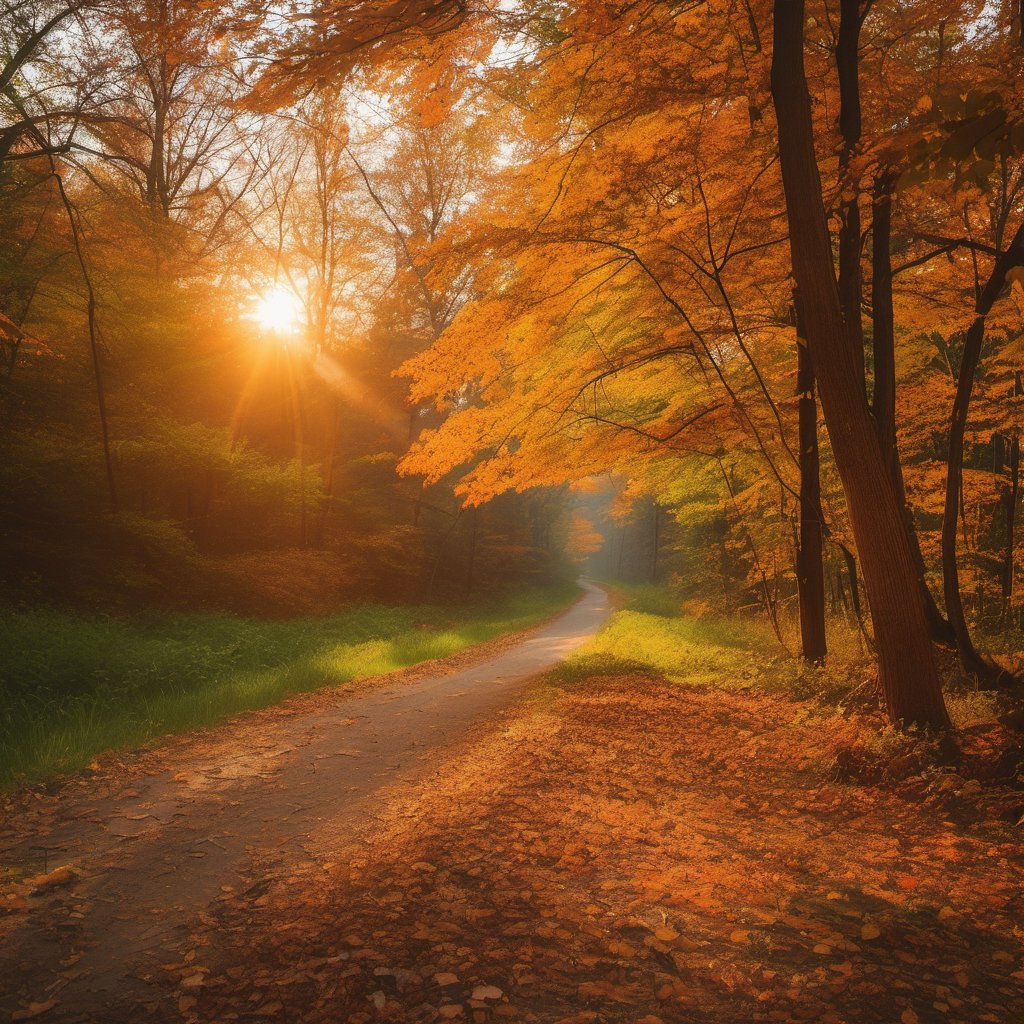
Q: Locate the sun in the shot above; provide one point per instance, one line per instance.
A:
(278, 309)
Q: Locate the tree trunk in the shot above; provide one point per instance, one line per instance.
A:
(850, 278)
(883, 403)
(850, 561)
(471, 567)
(332, 461)
(657, 544)
(906, 662)
(1012, 498)
(970, 660)
(810, 576)
(884, 393)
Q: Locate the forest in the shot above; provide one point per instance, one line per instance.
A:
(644, 378)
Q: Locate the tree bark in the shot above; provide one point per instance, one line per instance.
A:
(883, 402)
(850, 561)
(970, 660)
(657, 544)
(471, 567)
(850, 278)
(884, 393)
(906, 662)
(1012, 498)
(331, 460)
(810, 576)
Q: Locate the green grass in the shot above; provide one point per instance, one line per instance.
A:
(72, 687)
(651, 636)
(681, 648)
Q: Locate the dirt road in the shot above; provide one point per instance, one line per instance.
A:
(156, 843)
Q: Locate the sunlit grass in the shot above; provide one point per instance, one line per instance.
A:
(72, 687)
(681, 648)
(652, 636)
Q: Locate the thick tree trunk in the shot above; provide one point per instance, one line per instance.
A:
(850, 278)
(906, 661)
(810, 576)
(883, 403)
(884, 396)
(970, 660)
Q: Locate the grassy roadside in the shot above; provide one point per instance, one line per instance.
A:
(650, 641)
(71, 687)
(649, 635)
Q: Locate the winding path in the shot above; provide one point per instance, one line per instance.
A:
(218, 813)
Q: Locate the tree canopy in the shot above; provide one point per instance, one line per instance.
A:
(435, 296)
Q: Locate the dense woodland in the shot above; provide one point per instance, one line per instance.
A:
(204, 306)
(305, 303)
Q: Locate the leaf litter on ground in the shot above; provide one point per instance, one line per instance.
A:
(627, 850)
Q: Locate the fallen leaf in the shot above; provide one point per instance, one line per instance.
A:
(870, 931)
(12, 903)
(486, 992)
(63, 875)
(33, 1010)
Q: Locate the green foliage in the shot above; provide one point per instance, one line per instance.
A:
(73, 686)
